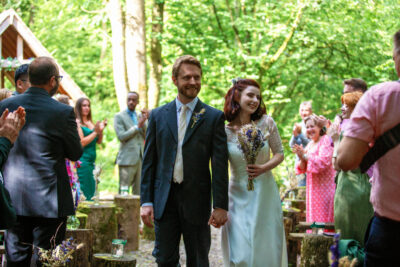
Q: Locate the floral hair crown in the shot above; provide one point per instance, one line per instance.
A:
(235, 80)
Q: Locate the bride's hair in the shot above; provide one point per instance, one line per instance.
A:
(232, 98)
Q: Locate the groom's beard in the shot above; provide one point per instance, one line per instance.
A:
(189, 92)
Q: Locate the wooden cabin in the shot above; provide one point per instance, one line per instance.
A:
(18, 45)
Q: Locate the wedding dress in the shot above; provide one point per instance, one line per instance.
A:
(254, 234)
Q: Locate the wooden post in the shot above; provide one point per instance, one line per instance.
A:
(128, 218)
(314, 250)
(20, 48)
(102, 219)
(82, 257)
(106, 260)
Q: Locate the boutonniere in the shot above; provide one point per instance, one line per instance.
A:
(197, 116)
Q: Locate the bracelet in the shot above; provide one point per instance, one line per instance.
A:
(305, 157)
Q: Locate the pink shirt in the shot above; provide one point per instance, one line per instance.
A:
(376, 112)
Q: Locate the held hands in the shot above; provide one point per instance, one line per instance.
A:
(12, 123)
(147, 214)
(218, 217)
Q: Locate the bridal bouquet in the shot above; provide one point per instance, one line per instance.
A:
(251, 140)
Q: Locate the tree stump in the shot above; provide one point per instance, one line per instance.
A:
(288, 225)
(82, 219)
(128, 219)
(102, 219)
(314, 250)
(82, 257)
(106, 260)
(295, 214)
(148, 233)
(299, 204)
(294, 248)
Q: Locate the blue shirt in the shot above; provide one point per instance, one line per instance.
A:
(133, 116)
(189, 111)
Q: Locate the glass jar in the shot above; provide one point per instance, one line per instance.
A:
(117, 249)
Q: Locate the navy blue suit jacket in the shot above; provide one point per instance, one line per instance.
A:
(35, 173)
(204, 142)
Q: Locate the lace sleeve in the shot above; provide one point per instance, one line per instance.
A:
(271, 134)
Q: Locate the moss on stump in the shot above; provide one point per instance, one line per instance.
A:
(314, 250)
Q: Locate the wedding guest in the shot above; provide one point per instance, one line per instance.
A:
(353, 211)
(243, 240)
(375, 114)
(72, 166)
(316, 162)
(5, 93)
(10, 125)
(90, 134)
(299, 136)
(21, 79)
(35, 173)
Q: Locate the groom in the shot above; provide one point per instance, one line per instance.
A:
(182, 138)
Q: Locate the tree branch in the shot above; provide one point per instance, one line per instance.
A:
(278, 53)
(235, 30)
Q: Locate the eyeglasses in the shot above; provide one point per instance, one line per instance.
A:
(59, 77)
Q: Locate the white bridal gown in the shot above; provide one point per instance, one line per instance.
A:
(254, 233)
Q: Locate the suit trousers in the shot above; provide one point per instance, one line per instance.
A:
(171, 226)
(130, 176)
(29, 231)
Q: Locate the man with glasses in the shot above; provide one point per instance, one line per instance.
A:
(35, 173)
(21, 79)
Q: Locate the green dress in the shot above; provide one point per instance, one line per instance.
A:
(353, 210)
(85, 172)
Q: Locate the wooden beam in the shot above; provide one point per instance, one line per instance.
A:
(2, 78)
(20, 48)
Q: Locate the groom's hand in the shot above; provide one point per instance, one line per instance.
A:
(147, 214)
(218, 217)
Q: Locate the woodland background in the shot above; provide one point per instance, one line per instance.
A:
(296, 49)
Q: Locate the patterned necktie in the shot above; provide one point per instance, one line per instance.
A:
(178, 168)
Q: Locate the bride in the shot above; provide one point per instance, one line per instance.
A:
(254, 233)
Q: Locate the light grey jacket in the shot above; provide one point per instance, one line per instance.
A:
(131, 139)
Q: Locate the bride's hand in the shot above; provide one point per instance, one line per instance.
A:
(255, 170)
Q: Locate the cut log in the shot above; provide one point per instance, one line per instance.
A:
(314, 250)
(82, 219)
(294, 247)
(102, 219)
(299, 204)
(288, 225)
(82, 257)
(148, 233)
(296, 215)
(128, 218)
(106, 260)
(303, 226)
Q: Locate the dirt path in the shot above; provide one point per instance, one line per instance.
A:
(145, 259)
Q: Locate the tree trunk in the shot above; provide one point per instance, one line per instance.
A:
(128, 220)
(155, 53)
(82, 257)
(114, 12)
(135, 48)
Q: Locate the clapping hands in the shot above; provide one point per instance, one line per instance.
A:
(11, 123)
(99, 126)
(299, 150)
(143, 118)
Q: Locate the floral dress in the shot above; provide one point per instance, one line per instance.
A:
(320, 190)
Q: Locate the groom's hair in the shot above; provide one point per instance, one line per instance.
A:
(232, 99)
(186, 59)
